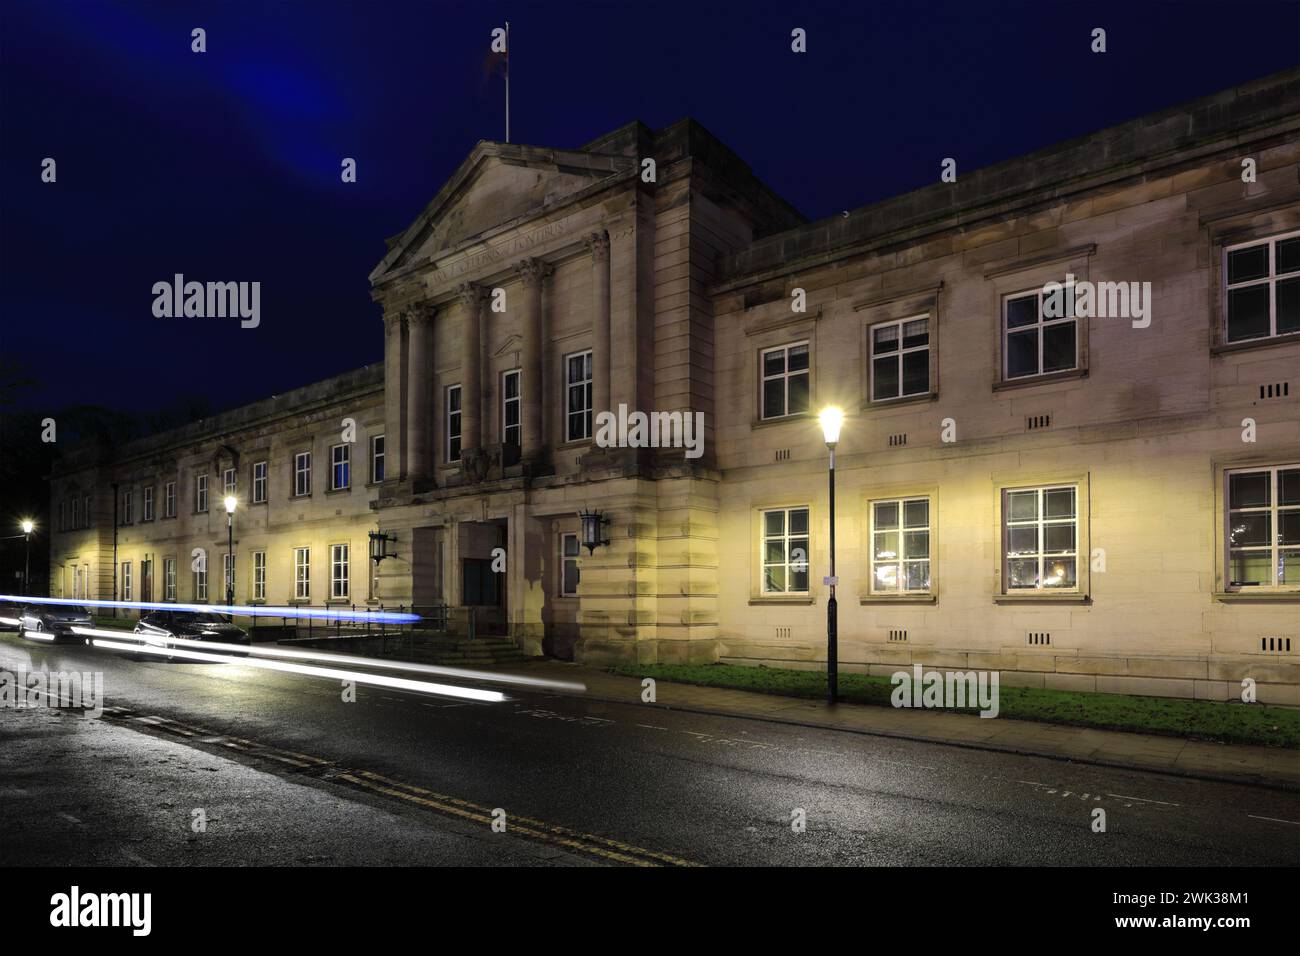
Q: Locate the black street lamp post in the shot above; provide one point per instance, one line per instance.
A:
(230, 553)
(831, 419)
(28, 526)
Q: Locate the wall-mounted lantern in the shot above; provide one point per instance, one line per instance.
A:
(379, 546)
(592, 535)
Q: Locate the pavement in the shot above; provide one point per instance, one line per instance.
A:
(1197, 759)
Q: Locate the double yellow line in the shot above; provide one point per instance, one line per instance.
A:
(574, 840)
(615, 851)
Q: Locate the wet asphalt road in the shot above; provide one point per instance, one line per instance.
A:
(705, 789)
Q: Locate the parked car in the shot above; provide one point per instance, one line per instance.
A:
(161, 628)
(56, 620)
(11, 615)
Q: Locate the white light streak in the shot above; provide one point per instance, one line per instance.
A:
(539, 683)
(378, 680)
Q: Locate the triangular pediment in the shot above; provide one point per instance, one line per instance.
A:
(513, 343)
(497, 184)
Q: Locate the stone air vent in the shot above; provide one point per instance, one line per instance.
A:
(896, 441)
(1039, 638)
(1275, 645)
(1274, 390)
(783, 634)
(897, 635)
(783, 454)
(1038, 421)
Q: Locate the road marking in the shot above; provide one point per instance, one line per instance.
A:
(527, 827)
(1294, 823)
(1163, 803)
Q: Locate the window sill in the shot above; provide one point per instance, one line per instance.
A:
(1257, 597)
(1265, 342)
(338, 491)
(883, 404)
(783, 420)
(793, 600)
(1031, 380)
(1040, 598)
(899, 599)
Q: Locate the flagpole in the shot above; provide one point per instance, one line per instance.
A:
(507, 81)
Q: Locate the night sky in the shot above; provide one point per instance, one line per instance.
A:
(225, 165)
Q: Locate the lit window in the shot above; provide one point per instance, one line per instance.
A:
(785, 551)
(259, 575)
(169, 579)
(301, 574)
(228, 482)
(1263, 533)
(900, 545)
(1034, 343)
(339, 572)
(900, 359)
(126, 581)
(785, 380)
(1040, 538)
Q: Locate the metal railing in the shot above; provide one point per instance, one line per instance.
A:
(347, 622)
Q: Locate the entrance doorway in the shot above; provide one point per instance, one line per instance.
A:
(482, 548)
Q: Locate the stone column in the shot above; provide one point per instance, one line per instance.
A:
(472, 420)
(532, 273)
(419, 320)
(598, 243)
(394, 397)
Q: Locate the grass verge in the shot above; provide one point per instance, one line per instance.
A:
(1231, 723)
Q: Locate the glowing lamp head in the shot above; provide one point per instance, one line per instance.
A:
(28, 525)
(831, 418)
(230, 504)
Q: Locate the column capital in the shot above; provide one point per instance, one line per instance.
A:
(533, 271)
(419, 314)
(471, 294)
(598, 245)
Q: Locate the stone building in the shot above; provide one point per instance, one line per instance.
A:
(1105, 497)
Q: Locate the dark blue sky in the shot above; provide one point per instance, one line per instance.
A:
(225, 165)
